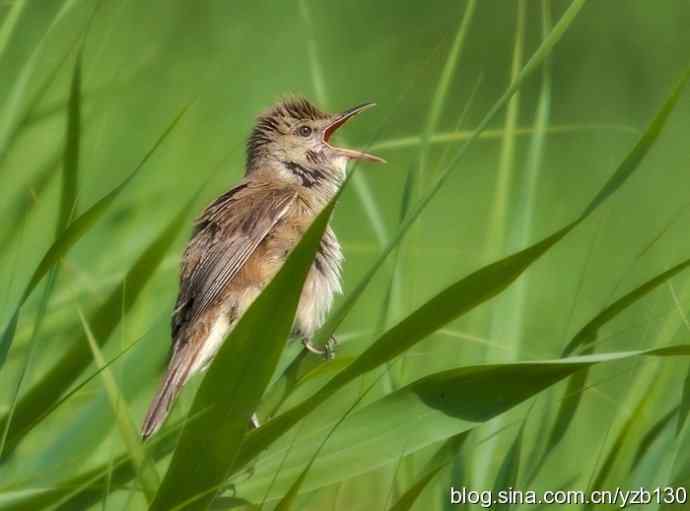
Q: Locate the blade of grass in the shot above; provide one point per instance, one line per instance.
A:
(440, 460)
(288, 501)
(508, 473)
(68, 198)
(362, 188)
(454, 401)
(71, 236)
(9, 24)
(494, 134)
(145, 469)
(441, 93)
(425, 411)
(44, 395)
(237, 378)
(497, 227)
(536, 59)
(17, 105)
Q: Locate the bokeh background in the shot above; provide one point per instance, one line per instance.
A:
(226, 61)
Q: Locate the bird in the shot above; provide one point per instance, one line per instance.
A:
(242, 238)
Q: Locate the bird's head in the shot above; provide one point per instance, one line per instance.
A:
(293, 139)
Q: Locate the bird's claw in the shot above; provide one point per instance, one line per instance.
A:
(327, 351)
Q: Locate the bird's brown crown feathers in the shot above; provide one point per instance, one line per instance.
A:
(278, 120)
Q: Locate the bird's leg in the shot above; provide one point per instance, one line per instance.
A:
(328, 350)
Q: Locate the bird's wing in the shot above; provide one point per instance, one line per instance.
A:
(225, 236)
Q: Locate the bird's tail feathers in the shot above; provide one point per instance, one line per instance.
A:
(174, 379)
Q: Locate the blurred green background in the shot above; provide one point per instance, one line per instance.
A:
(229, 60)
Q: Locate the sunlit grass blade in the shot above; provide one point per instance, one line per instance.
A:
(361, 185)
(450, 137)
(441, 94)
(17, 104)
(509, 471)
(146, 471)
(588, 334)
(9, 24)
(70, 160)
(43, 396)
(497, 224)
(652, 435)
(684, 407)
(440, 460)
(537, 58)
(454, 401)
(67, 204)
(235, 382)
(617, 454)
(425, 411)
(78, 228)
(288, 501)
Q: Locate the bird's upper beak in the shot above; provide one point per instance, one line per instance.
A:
(337, 122)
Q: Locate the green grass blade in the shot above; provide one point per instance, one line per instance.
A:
(70, 160)
(508, 473)
(496, 235)
(453, 401)
(441, 94)
(650, 437)
(361, 185)
(71, 236)
(684, 407)
(587, 335)
(146, 471)
(43, 396)
(428, 410)
(536, 59)
(9, 24)
(235, 382)
(440, 460)
(639, 152)
(17, 105)
(68, 197)
(288, 501)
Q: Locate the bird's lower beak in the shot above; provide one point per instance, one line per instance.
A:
(341, 119)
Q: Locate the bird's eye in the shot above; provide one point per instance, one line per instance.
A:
(304, 131)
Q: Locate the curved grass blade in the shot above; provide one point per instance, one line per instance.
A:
(361, 185)
(441, 93)
(70, 160)
(71, 236)
(17, 106)
(428, 410)
(507, 477)
(536, 60)
(42, 397)
(453, 401)
(145, 469)
(235, 382)
(68, 199)
(288, 501)
(650, 437)
(449, 137)
(588, 334)
(440, 460)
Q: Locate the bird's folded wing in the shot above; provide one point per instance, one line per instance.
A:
(226, 235)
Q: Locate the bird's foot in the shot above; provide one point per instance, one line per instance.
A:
(254, 421)
(327, 351)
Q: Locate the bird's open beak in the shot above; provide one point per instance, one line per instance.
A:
(341, 119)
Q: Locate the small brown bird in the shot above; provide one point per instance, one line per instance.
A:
(243, 237)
